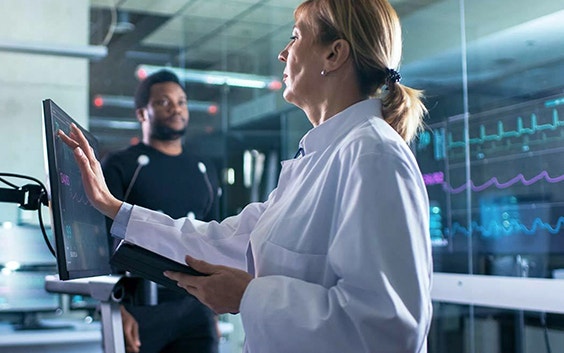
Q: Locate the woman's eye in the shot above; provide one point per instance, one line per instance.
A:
(292, 38)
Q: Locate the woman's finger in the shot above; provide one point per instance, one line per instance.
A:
(78, 152)
(84, 143)
(200, 265)
(67, 140)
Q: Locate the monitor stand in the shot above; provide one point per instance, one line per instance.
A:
(109, 291)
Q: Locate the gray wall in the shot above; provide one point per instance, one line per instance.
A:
(27, 79)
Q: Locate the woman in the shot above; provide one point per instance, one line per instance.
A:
(338, 258)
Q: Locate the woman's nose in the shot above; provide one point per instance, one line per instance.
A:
(282, 55)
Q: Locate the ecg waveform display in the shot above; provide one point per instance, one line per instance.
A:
(499, 184)
(506, 228)
(524, 128)
(438, 178)
(500, 133)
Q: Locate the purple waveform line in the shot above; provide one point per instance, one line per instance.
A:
(494, 181)
(65, 179)
(434, 178)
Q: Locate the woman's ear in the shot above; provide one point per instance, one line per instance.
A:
(338, 54)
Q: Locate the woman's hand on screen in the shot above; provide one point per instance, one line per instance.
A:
(91, 171)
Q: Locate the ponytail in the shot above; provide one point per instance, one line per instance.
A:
(404, 110)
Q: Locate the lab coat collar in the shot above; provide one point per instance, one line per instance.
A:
(323, 135)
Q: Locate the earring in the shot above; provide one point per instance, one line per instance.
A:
(323, 72)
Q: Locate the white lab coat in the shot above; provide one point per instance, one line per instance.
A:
(340, 250)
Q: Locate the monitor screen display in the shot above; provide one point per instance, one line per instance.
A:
(79, 229)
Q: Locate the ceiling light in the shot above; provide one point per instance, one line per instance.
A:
(214, 77)
(100, 101)
(78, 51)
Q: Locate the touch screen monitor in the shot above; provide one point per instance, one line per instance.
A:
(79, 229)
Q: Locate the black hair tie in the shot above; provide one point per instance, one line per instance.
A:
(392, 76)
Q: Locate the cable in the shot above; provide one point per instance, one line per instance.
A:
(42, 199)
(142, 161)
(545, 327)
(22, 177)
(44, 232)
(8, 183)
(112, 27)
(203, 170)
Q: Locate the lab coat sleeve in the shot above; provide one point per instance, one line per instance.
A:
(222, 243)
(380, 253)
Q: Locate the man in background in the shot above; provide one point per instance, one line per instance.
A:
(160, 174)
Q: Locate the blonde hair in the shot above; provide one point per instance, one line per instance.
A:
(373, 30)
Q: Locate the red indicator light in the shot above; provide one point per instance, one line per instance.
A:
(134, 140)
(275, 85)
(213, 109)
(98, 101)
(141, 74)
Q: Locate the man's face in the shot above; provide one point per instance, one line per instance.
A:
(167, 111)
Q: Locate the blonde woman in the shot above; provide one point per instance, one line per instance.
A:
(338, 258)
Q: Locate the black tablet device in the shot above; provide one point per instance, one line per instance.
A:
(149, 265)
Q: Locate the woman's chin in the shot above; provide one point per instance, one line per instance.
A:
(288, 96)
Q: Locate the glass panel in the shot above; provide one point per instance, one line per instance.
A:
(490, 155)
(516, 136)
(490, 159)
(432, 62)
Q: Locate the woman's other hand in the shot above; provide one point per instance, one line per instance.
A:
(221, 291)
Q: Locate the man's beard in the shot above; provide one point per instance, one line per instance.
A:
(162, 132)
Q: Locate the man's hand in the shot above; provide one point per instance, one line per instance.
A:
(91, 172)
(130, 331)
(222, 290)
